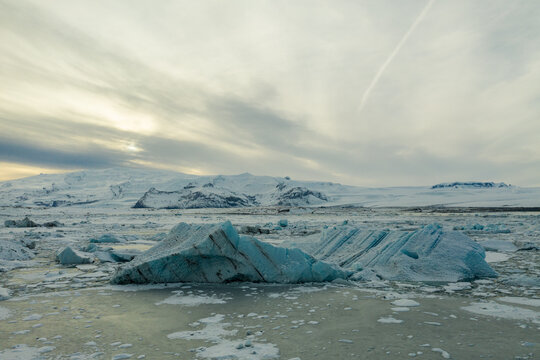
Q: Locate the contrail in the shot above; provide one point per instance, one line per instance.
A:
(393, 55)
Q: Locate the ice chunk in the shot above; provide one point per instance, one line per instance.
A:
(4, 314)
(427, 254)
(106, 238)
(26, 222)
(405, 303)
(216, 253)
(69, 256)
(54, 223)
(4, 293)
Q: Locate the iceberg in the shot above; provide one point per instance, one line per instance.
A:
(430, 254)
(215, 253)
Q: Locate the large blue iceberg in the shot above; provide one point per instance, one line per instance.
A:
(430, 254)
(217, 254)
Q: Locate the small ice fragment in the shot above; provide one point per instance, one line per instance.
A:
(405, 303)
(389, 320)
(400, 309)
(444, 354)
(46, 349)
(33, 317)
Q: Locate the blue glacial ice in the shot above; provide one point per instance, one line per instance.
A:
(430, 254)
(69, 256)
(217, 253)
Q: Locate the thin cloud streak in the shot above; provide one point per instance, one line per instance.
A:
(393, 54)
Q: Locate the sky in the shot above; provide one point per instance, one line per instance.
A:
(368, 92)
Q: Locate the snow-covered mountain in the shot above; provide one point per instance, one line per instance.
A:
(150, 188)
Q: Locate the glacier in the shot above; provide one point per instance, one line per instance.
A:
(429, 254)
(216, 253)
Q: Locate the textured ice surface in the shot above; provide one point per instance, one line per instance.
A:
(428, 254)
(11, 250)
(216, 253)
(13, 255)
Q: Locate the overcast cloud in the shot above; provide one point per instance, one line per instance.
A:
(375, 93)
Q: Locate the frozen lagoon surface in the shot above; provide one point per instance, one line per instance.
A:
(52, 311)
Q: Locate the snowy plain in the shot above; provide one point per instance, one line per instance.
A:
(54, 311)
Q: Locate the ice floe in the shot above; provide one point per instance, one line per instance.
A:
(492, 308)
(494, 257)
(213, 330)
(498, 245)
(520, 300)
